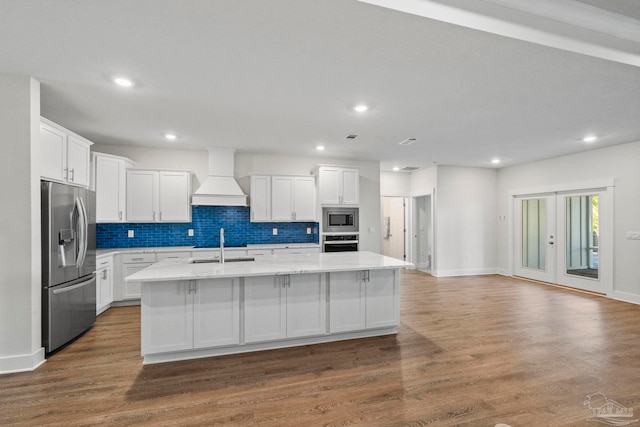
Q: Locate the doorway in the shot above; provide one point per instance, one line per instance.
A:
(561, 238)
(393, 227)
(423, 233)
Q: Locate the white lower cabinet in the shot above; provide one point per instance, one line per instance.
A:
(382, 295)
(187, 315)
(287, 306)
(346, 301)
(132, 263)
(104, 283)
(363, 300)
(216, 313)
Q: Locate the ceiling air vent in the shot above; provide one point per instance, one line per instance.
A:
(407, 141)
(352, 136)
(409, 168)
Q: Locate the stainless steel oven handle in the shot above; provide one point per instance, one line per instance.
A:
(71, 288)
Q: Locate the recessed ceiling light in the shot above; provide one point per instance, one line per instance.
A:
(320, 147)
(361, 108)
(124, 82)
(495, 161)
(590, 138)
(170, 136)
(396, 169)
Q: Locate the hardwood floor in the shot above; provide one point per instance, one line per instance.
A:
(471, 351)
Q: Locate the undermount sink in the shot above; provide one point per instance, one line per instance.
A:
(217, 260)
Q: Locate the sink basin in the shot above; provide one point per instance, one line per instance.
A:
(217, 260)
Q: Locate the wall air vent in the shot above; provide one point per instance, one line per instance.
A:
(352, 136)
(409, 168)
(407, 141)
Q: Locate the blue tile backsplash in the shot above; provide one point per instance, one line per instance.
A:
(206, 224)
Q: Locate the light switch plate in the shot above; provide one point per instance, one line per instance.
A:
(275, 231)
(308, 230)
(190, 232)
(130, 233)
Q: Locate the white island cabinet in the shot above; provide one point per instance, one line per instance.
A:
(192, 310)
(189, 314)
(286, 306)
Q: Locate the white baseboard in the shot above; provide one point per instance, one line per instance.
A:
(465, 272)
(625, 296)
(22, 363)
(504, 272)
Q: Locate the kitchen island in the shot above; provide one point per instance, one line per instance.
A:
(194, 309)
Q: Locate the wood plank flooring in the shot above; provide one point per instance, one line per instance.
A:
(472, 351)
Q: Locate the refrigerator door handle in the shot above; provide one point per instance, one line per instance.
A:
(70, 288)
(82, 231)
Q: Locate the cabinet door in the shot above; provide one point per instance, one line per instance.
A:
(167, 317)
(306, 305)
(78, 161)
(382, 298)
(304, 199)
(141, 195)
(108, 183)
(216, 313)
(350, 186)
(104, 288)
(329, 185)
(260, 198)
(132, 289)
(346, 302)
(174, 196)
(265, 315)
(53, 152)
(281, 198)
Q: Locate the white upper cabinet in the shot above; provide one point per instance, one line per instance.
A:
(158, 196)
(174, 196)
(283, 198)
(64, 156)
(260, 198)
(338, 185)
(110, 185)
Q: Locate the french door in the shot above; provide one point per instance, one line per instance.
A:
(562, 238)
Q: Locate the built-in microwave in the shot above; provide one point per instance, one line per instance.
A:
(340, 220)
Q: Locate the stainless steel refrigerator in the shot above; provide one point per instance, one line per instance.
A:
(68, 263)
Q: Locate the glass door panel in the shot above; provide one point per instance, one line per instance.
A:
(582, 235)
(580, 252)
(535, 238)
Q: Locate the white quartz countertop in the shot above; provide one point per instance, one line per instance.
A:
(181, 269)
(146, 250)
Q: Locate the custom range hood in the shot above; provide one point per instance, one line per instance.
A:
(220, 188)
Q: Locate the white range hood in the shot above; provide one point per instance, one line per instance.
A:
(220, 188)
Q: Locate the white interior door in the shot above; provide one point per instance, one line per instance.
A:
(393, 227)
(535, 237)
(565, 238)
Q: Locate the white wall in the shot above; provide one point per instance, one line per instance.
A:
(395, 184)
(20, 334)
(620, 163)
(254, 164)
(466, 220)
(464, 232)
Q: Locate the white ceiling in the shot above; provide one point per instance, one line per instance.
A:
(281, 76)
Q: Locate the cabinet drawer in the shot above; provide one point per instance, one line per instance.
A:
(175, 255)
(104, 263)
(134, 258)
(259, 252)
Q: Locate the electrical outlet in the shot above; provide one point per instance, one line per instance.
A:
(190, 232)
(275, 231)
(308, 230)
(130, 233)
